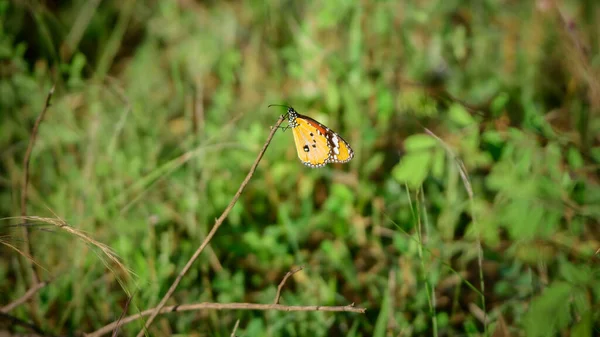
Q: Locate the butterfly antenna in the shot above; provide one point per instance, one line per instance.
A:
(287, 106)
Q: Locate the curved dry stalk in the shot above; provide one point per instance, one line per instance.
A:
(116, 331)
(35, 279)
(237, 323)
(218, 223)
(61, 224)
(31, 259)
(282, 283)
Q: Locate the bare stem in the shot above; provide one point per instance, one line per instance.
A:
(116, 330)
(32, 291)
(237, 323)
(224, 306)
(218, 222)
(27, 248)
(282, 283)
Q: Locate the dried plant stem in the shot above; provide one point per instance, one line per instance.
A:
(116, 330)
(35, 285)
(237, 323)
(32, 291)
(154, 312)
(27, 248)
(224, 306)
(282, 283)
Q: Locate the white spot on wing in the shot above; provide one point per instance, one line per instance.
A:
(336, 144)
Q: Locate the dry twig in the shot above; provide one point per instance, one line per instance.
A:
(34, 276)
(36, 285)
(225, 306)
(116, 331)
(32, 291)
(282, 283)
(218, 222)
(237, 323)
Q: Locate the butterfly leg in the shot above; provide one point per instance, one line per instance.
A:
(283, 128)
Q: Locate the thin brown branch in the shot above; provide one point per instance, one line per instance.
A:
(237, 323)
(212, 232)
(32, 291)
(27, 248)
(116, 330)
(226, 306)
(282, 283)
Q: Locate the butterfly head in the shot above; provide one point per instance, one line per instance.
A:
(292, 115)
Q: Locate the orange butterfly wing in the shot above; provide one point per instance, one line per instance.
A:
(311, 142)
(341, 152)
(316, 144)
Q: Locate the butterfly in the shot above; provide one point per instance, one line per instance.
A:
(316, 144)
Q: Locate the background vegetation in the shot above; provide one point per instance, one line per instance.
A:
(161, 107)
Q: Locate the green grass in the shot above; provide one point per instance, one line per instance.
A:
(161, 107)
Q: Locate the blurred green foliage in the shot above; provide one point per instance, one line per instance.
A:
(472, 122)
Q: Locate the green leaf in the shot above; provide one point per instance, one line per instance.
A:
(499, 103)
(575, 159)
(438, 164)
(493, 137)
(583, 328)
(442, 320)
(549, 312)
(333, 97)
(459, 115)
(373, 163)
(458, 42)
(256, 327)
(385, 104)
(595, 153)
(418, 142)
(575, 274)
(382, 319)
(413, 168)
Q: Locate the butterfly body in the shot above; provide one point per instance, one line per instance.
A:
(316, 144)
